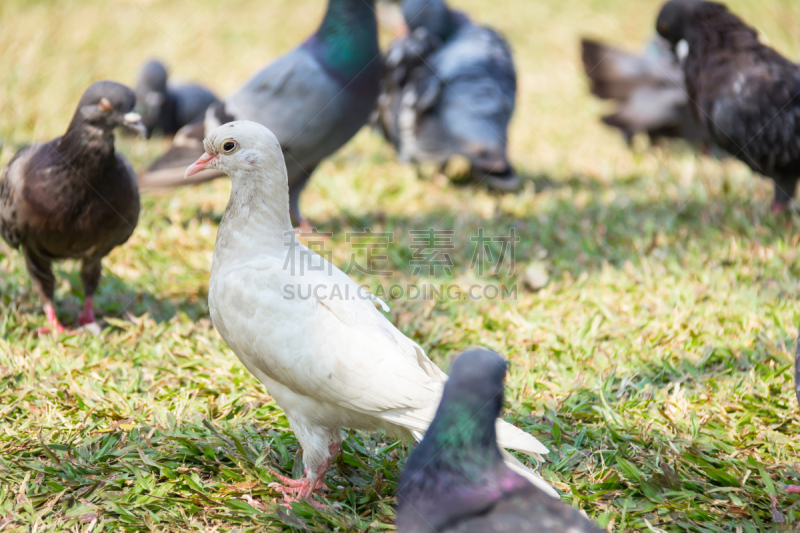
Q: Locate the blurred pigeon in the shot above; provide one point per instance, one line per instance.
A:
(315, 98)
(167, 107)
(795, 489)
(74, 197)
(450, 89)
(649, 90)
(456, 479)
(743, 92)
(797, 369)
(307, 331)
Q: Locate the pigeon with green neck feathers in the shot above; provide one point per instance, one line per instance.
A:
(457, 481)
(314, 99)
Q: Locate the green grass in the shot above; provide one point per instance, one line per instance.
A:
(655, 364)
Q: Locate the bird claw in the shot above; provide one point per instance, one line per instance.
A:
(293, 494)
(44, 330)
(287, 481)
(294, 490)
(55, 326)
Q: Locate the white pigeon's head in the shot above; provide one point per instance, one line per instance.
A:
(239, 147)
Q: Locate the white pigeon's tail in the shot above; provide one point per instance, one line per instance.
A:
(509, 436)
(514, 464)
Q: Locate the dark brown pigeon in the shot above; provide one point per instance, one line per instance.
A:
(746, 95)
(74, 197)
(456, 480)
(648, 88)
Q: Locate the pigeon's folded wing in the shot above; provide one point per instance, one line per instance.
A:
(287, 96)
(757, 117)
(342, 351)
(12, 227)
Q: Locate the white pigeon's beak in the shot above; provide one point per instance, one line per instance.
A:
(133, 121)
(206, 160)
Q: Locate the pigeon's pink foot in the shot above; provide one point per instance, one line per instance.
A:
(778, 208)
(793, 489)
(303, 227)
(295, 489)
(52, 319)
(87, 316)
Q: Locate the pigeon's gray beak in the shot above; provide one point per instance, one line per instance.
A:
(206, 160)
(133, 122)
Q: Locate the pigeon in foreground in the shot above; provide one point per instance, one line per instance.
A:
(797, 369)
(649, 90)
(795, 489)
(456, 479)
(328, 357)
(167, 107)
(743, 92)
(450, 89)
(315, 98)
(73, 197)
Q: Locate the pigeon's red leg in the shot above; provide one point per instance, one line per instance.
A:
(295, 489)
(793, 489)
(304, 228)
(87, 316)
(304, 488)
(52, 319)
(778, 208)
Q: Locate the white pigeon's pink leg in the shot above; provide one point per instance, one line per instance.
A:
(295, 489)
(793, 489)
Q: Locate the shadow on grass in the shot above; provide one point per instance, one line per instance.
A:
(114, 299)
(580, 239)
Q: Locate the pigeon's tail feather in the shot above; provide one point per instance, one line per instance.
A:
(168, 170)
(613, 73)
(509, 436)
(797, 369)
(514, 464)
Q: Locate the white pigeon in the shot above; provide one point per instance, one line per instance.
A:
(307, 331)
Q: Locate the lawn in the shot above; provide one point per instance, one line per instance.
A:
(656, 363)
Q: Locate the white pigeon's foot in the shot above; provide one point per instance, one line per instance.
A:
(294, 490)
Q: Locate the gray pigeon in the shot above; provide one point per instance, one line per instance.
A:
(797, 369)
(450, 89)
(314, 99)
(741, 90)
(456, 481)
(795, 489)
(649, 90)
(73, 197)
(167, 107)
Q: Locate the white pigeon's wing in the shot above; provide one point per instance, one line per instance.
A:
(338, 351)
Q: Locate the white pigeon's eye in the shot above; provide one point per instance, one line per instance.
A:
(229, 146)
